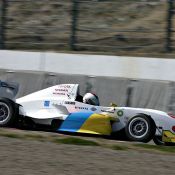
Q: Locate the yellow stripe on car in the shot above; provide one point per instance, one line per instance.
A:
(97, 124)
(168, 136)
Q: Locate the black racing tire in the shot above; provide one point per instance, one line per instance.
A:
(7, 112)
(158, 140)
(140, 128)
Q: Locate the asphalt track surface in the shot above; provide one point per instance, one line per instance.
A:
(33, 157)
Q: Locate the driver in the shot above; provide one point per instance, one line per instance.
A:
(92, 99)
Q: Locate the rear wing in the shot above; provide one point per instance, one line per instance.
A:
(62, 91)
(8, 89)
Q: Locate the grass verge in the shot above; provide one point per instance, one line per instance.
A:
(63, 139)
(76, 141)
(170, 149)
(11, 135)
(120, 147)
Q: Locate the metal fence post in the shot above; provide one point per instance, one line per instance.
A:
(3, 23)
(169, 26)
(73, 37)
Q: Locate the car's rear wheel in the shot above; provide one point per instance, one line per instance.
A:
(140, 128)
(7, 112)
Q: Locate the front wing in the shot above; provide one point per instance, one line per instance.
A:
(168, 136)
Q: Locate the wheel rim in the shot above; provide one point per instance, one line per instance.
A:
(4, 112)
(138, 127)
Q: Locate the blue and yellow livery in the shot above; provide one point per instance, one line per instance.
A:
(90, 123)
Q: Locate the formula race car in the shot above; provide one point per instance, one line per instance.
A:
(62, 108)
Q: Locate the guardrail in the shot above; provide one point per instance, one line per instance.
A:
(91, 65)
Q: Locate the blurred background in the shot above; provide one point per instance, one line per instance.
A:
(117, 27)
(143, 28)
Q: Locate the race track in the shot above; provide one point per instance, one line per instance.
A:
(37, 154)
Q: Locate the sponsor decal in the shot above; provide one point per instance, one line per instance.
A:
(46, 103)
(93, 109)
(69, 103)
(58, 93)
(81, 108)
(61, 90)
(65, 86)
(57, 104)
(120, 113)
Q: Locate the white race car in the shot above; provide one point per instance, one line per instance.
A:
(61, 108)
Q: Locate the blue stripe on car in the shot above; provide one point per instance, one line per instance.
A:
(74, 121)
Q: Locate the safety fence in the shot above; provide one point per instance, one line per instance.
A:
(87, 25)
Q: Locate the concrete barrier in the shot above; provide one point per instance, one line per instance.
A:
(92, 65)
(151, 94)
(122, 91)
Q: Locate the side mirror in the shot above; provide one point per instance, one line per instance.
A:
(113, 105)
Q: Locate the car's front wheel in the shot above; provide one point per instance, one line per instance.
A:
(7, 112)
(140, 128)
